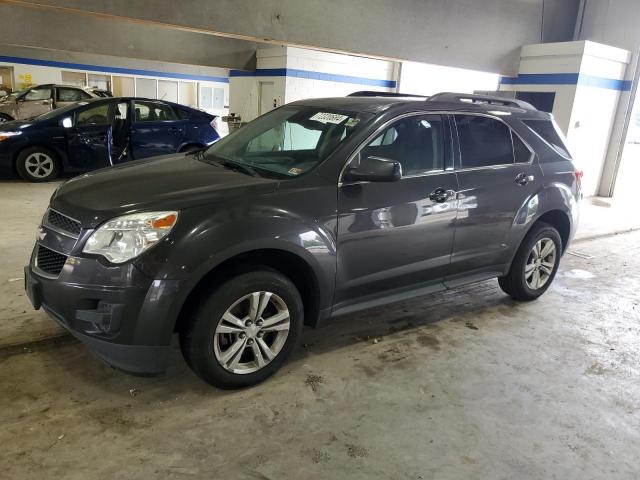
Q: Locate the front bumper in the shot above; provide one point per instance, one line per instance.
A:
(7, 169)
(125, 318)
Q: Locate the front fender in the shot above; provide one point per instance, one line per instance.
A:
(204, 241)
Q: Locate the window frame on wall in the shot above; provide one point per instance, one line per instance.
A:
(213, 88)
(142, 79)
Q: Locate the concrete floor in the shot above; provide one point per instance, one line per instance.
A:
(23, 205)
(466, 384)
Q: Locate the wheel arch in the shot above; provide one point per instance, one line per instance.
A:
(184, 146)
(286, 262)
(60, 157)
(559, 220)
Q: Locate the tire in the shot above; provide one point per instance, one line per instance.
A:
(5, 118)
(208, 341)
(190, 148)
(525, 263)
(38, 164)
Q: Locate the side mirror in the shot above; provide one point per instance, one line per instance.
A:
(374, 169)
(66, 122)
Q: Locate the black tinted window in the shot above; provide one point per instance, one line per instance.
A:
(98, 115)
(416, 142)
(521, 152)
(154, 112)
(484, 141)
(183, 114)
(549, 134)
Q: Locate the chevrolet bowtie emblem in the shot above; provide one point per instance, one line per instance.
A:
(41, 233)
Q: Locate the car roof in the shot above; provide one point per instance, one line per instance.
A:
(448, 102)
(126, 99)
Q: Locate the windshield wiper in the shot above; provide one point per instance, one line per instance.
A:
(238, 166)
(225, 162)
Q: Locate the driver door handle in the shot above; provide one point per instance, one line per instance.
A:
(441, 195)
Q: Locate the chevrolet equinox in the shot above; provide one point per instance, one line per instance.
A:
(316, 209)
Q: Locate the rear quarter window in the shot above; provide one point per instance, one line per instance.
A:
(183, 114)
(548, 132)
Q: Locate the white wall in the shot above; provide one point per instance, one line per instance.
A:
(333, 64)
(585, 113)
(425, 79)
(299, 83)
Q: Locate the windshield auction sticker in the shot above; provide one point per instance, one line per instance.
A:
(326, 117)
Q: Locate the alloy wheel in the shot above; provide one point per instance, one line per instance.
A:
(540, 263)
(39, 165)
(251, 332)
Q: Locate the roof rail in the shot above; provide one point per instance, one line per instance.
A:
(369, 93)
(481, 99)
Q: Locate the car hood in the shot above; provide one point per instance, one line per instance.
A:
(7, 101)
(15, 125)
(171, 182)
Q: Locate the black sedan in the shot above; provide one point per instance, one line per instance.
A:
(100, 133)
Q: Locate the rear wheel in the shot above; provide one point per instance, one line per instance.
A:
(190, 148)
(38, 164)
(535, 264)
(5, 118)
(244, 330)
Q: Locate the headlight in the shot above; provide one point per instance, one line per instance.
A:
(126, 237)
(7, 135)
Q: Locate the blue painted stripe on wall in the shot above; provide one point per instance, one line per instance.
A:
(118, 70)
(567, 79)
(308, 74)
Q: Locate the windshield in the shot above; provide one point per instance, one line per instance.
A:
(14, 95)
(288, 141)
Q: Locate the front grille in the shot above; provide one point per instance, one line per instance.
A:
(63, 223)
(49, 261)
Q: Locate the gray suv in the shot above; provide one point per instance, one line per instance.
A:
(41, 99)
(316, 209)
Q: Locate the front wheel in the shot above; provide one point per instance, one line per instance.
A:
(535, 264)
(38, 164)
(244, 330)
(5, 118)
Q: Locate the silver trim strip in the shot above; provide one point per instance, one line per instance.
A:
(57, 230)
(48, 224)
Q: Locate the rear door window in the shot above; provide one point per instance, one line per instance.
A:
(153, 112)
(71, 95)
(546, 130)
(484, 141)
